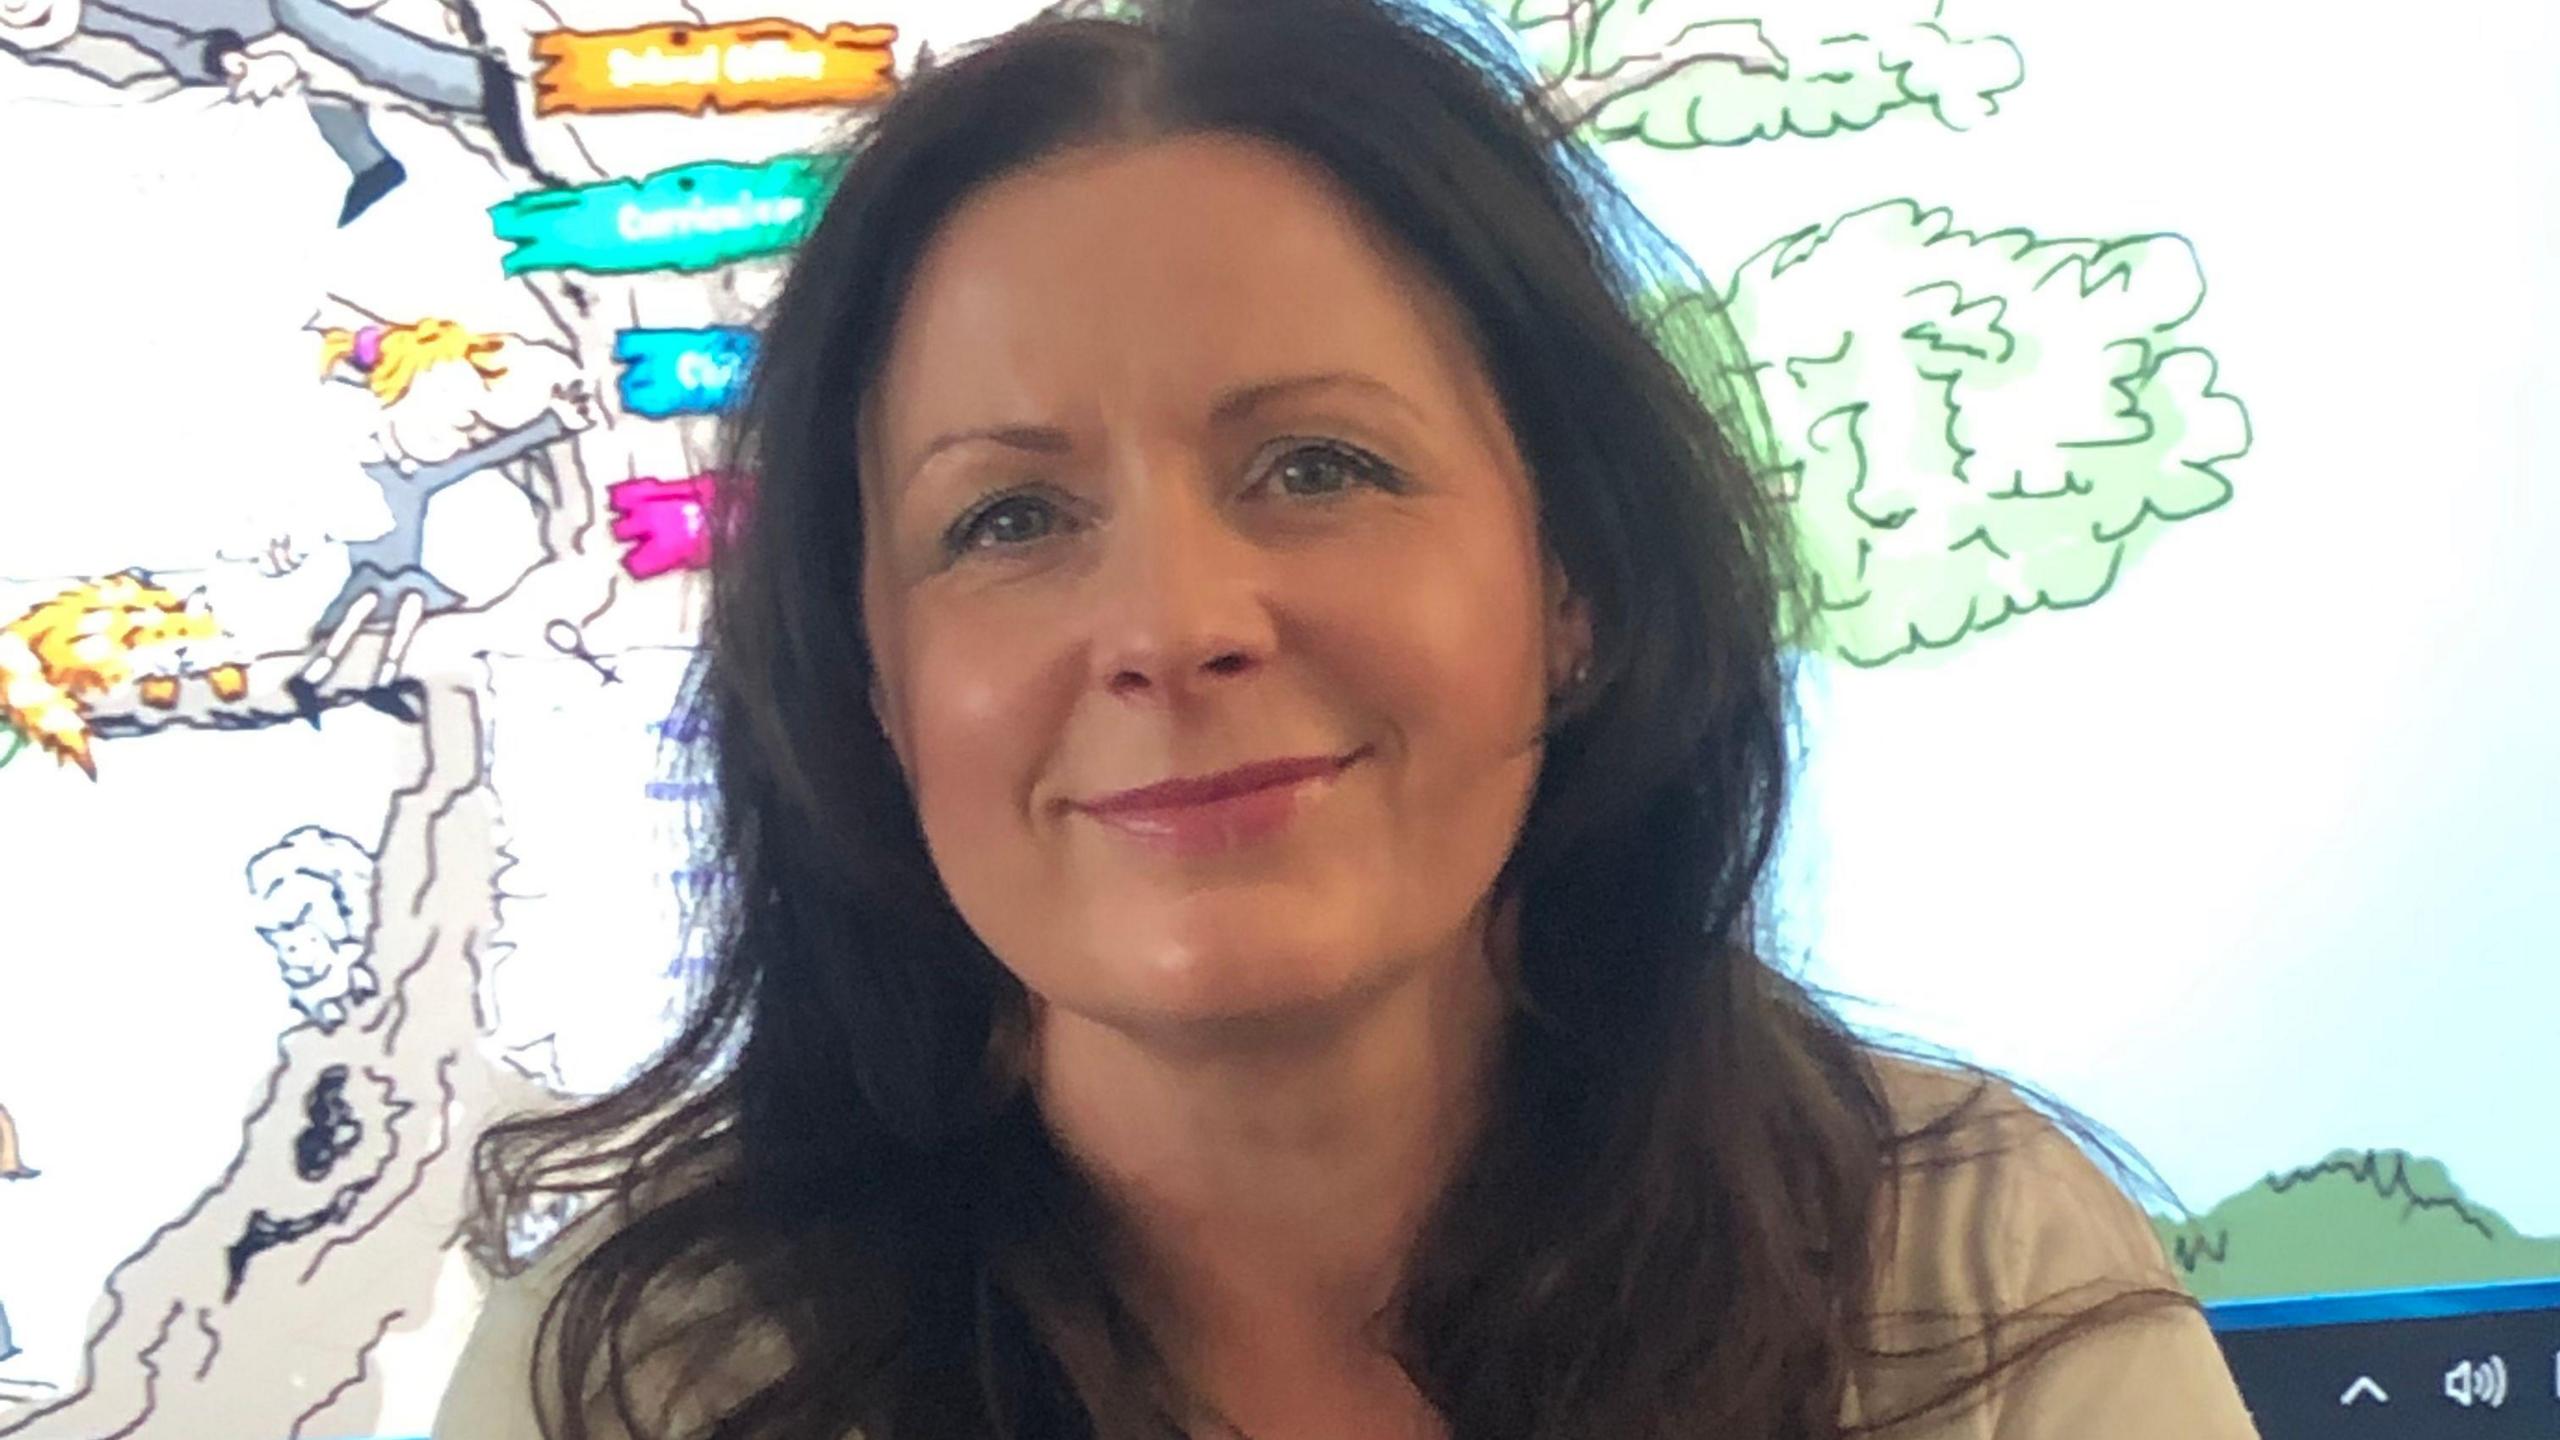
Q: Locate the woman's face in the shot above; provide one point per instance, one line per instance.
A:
(1205, 586)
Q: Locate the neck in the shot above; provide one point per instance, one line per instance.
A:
(1272, 1176)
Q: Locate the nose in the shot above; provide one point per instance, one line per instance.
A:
(1181, 594)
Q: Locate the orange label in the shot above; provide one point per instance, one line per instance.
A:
(744, 65)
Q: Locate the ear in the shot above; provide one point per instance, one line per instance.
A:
(884, 715)
(1568, 628)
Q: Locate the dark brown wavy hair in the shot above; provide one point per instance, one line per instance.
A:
(1669, 1226)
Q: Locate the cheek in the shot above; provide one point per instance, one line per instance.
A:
(1445, 645)
(947, 677)
(981, 705)
(1447, 635)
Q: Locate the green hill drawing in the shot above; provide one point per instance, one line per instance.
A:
(2358, 1220)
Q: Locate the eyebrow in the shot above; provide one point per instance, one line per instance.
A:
(1243, 400)
(1231, 407)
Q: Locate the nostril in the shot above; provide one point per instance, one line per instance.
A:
(1227, 664)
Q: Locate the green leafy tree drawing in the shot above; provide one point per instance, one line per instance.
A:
(1681, 73)
(1971, 426)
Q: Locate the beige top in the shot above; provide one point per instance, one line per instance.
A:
(2029, 1219)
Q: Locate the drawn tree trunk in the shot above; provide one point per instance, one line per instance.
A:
(344, 1201)
(277, 1240)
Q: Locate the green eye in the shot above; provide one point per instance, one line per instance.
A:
(1002, 523)
(1330, 468)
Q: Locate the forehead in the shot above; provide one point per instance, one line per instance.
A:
(1158, 274)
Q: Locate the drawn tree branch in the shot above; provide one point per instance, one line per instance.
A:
(1678, 74)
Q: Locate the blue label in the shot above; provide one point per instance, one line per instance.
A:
(683, 372)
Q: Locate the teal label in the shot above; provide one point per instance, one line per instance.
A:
(692, 217)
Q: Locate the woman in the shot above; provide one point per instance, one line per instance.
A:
(1249, 706)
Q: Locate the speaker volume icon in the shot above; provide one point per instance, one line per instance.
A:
(2477, 1382)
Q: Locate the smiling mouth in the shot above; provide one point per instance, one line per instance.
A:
(1208, 814)
(1224, 785)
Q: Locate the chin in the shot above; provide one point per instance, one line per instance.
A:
(1241, 971)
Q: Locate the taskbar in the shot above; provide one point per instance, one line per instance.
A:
(2459, 1362)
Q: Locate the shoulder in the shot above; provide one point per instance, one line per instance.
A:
(681, 1374)
(491, 1393)
(1984, 1178)
(2006, 1245)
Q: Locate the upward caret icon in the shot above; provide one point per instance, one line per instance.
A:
(2365, 1388)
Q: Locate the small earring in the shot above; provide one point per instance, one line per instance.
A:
(1577, 685)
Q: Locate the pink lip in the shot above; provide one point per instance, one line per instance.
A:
(1210, 813)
